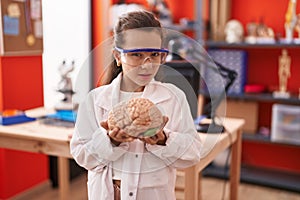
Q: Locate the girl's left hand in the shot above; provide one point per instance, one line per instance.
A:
(160, 137)
(117, 136)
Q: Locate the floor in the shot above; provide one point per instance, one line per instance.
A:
(212, 189)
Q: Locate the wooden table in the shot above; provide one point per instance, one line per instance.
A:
(51, 140)
(36, 137)
(213, 145)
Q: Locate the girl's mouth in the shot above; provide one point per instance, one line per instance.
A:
(145, 76)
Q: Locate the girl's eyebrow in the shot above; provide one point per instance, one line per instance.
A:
(141, 50)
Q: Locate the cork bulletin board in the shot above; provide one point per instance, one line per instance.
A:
(21, 30)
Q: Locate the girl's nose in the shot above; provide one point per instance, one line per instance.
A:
(147, 60)
(146, 65)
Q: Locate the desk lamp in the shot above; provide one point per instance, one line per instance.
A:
(192, 51)
(210, 108)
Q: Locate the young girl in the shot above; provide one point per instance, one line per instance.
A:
(119, 165)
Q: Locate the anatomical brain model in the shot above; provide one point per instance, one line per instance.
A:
(138, 117)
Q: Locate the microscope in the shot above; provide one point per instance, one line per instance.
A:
(65, 86)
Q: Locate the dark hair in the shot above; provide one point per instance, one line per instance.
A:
(131, 20)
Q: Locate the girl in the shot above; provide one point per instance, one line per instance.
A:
(120, 166)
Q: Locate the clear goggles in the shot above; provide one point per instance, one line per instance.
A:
(136, 57)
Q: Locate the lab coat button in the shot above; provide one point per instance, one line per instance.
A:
(130, 193)
(136, 155)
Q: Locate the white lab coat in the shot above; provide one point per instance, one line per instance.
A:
(148, 171)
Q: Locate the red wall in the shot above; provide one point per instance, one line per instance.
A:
(21, 171)
(271, 155)
(263, 69)
(22, 82)
(262, 64)
(21, 87)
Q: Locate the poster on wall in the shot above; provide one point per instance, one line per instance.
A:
(21, 27)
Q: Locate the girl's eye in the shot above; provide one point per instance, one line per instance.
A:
(136, 54)
(155, 54)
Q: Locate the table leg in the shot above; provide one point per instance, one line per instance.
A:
(63, 178)
(235, 169)
(200, 186)
(191, 183)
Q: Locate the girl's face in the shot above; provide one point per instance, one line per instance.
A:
(139, 67)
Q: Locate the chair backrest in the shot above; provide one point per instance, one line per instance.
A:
(184, 75)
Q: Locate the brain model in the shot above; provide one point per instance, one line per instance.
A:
(138, 117)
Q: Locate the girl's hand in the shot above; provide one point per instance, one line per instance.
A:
(117, 136)
(160, 137)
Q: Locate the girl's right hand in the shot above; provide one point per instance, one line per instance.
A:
(116, 135)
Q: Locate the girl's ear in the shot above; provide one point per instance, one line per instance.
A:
(117, 57)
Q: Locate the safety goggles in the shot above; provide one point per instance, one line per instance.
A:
(136, 57)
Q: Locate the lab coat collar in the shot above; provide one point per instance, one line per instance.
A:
(109, 95)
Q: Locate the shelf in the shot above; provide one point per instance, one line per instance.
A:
(256, 137)
(213, 44)
(254, 143)
(265, 97)
(180, 27)
(259, 176)
(265, 139)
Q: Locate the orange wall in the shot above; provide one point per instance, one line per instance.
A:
(1, 86)
(272, 12)
(264, 62)
(177, 7)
